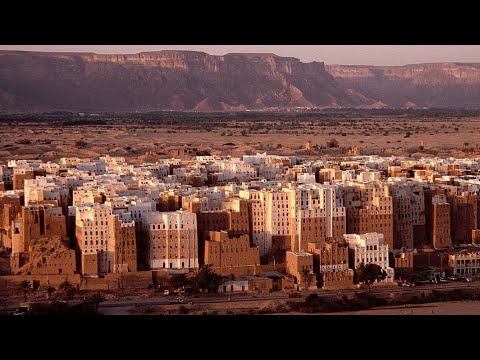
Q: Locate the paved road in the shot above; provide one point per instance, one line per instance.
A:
(209, 300)
(281, 296)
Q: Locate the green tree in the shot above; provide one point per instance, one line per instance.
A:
(178, 280)
(67, 290)
(206, 279)
(370, 273)
(96, 299)
(65, 285)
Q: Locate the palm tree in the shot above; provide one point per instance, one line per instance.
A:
(25, 285)
(306, 277)
(50, 291)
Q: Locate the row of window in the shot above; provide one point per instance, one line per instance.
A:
(163, 237)
(96, 233)
(163, 226)
(163, 246)
(373, 259)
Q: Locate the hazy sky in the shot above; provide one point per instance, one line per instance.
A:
(330, 54)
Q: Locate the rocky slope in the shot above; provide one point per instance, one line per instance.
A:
(166, 80)
(420, 85)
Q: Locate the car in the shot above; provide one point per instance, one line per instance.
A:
(423, 281)
(177, 300)
(166, 292)
(452, 278)
(443, 280)
(22, 310)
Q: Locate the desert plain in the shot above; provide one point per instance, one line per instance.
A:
(140, 137)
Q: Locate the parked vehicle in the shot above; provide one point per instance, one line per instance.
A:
(452, 278)
(177, 300)
(166, 292)
(443, 280)
(423, 281)
(21, 310)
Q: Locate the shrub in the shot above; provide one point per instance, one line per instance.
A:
(80, 144)
(333, 143)
(183, 310)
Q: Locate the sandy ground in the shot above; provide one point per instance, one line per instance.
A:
(441, 308)
(41, 141)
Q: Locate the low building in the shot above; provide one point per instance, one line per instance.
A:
(369, 248)
(300, 265)
(231, 286)
(404, 262)
(260, 284)
(467, 264)
(279, 280)
(330, 265)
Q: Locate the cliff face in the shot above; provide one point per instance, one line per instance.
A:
(187, 80)
(421, 85)
(165, 80)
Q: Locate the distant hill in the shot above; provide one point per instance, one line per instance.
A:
(187, 80)
(165, 80)
(413, 86)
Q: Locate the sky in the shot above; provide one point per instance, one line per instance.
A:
(330, 54)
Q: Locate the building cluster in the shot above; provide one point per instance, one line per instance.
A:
(320, 218)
